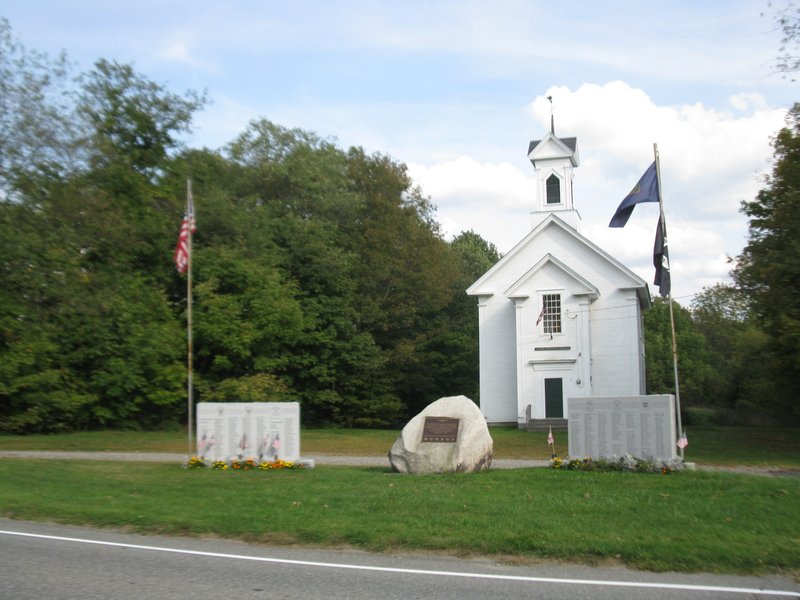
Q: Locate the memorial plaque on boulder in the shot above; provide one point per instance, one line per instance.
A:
(611, 427)
(440, 429)
(448, 436)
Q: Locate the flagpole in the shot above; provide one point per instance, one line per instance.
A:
(189, 358)
(663, 225)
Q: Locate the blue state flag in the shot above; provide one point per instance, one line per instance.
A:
(644, 191)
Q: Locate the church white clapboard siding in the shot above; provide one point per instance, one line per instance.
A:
(558, 316)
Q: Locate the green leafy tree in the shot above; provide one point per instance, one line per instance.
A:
(452, 354)
(36, 392)
(320, 274)
(89, 336)
(298, 190)
(246, 318)
(768, 268)
(698, 380)
(131, 121)
(37, 133)
(737, 352)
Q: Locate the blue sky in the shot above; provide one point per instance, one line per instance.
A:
(456, 90)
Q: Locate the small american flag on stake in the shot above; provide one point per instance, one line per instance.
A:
(550, 440)
(683, 441)
(187, 229)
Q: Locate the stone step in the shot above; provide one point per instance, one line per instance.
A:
(547, 424)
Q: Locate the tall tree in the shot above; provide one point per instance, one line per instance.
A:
(697, 379)
(89, 336)
(37, 133)
(787, 17)
(738, 352)
(768, 268)
(453, 352)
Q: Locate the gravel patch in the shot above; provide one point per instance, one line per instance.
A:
(349, 461)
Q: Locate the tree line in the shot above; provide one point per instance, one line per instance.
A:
(320, 273)
(739, 343)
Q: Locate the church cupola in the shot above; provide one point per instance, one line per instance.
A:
(553, 160)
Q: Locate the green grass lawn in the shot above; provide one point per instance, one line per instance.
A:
(690, 521)
(779, 447)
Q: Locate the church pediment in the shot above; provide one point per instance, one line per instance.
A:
(553, 148)
(526, 285)
(556, 240)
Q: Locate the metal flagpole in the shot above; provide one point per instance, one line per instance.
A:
(190, 216)
(663, 225)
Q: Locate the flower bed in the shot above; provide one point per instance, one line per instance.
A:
(241, 464)
(625, 463)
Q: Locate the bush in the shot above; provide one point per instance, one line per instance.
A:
(701, 416)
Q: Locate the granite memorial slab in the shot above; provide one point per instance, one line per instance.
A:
(263, 431)
(611, 427)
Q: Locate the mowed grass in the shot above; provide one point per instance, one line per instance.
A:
(750, 446)
(690, 521)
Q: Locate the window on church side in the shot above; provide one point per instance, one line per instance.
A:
(551, 313)
(553, 190)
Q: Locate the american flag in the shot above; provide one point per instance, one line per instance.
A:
(550, 440)
(683, 442)
(540, 317)
(187, 228)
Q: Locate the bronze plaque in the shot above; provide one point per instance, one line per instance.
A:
(440, 429)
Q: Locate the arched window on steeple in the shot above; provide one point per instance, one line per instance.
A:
(553, 190)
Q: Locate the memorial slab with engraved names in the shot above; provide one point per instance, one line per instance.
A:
(611, 427)
(263, 431)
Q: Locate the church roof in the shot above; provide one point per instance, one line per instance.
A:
(569, 142)
(629, 279)
(552, 147)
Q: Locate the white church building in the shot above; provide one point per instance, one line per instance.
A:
(558, 316)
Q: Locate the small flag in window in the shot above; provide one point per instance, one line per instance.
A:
(683, 442)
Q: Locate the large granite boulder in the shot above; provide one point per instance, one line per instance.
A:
(448, 436)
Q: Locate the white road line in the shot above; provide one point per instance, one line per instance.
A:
(325, 565)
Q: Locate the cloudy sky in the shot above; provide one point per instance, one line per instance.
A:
(457, 89)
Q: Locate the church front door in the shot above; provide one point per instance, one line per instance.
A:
(554, 398)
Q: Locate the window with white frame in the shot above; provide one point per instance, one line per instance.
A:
(550, 315)
(553, 188)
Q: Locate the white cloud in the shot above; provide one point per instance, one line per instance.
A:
(711, 160)
(177, 50)
(484, 198)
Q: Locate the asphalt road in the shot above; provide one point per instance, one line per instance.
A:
(48, 561)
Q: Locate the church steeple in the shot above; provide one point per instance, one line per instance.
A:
(553, 160)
